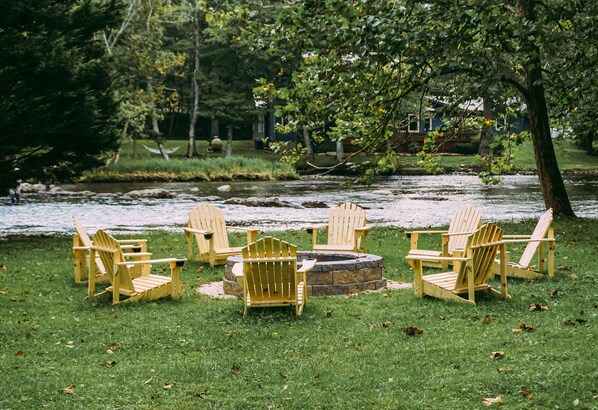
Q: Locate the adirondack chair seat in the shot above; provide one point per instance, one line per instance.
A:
(347, 230)
(121, 273)
(535, 246)
(463, 223)
(206, 227)
(471, 269)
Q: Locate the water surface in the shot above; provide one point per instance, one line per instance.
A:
(406, 201)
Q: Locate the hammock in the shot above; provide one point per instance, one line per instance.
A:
(157, 151)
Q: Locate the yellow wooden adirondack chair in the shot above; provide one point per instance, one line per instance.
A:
(206, 224)
(270, 276)
(463, 223)
(81, 249)
(347, 230)
(119, 271)
(535, 245)
(470, 269)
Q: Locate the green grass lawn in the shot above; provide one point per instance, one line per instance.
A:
(61, 351)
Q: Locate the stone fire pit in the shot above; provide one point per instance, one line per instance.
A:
(334, 274)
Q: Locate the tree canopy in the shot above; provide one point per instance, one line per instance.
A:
(57, 111)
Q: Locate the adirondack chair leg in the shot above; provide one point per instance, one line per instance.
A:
(551, 246)
(414, 239)
(91, 284)
(418, 282)
(212, 254)
(314, 237)
(79, 261)
(503, 271)
(251, 236)
(189, 243)
(116, 287)
(470, 282)
(175, 281)
(445, 251)
(541, 261)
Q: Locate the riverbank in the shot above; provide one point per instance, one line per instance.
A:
(249, 164)
(343, 352)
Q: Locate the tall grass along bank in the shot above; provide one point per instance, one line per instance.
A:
(209, 169)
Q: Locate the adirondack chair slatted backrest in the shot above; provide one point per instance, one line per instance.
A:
(342, 223)
(209, 218)
(110, 256)
(482, 247)
(82, 233)
(270, 266)
(465, 220)
(539, 232)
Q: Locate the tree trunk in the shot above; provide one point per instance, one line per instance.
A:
(590, 142)
(192, 147)
(486, 135)
(340, 151)
(159, 139)
(155, 127)
(553, 188)
(229, 140)
(309, 151)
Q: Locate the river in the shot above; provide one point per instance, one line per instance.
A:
(406, 201)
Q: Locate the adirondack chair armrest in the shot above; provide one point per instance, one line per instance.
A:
(206, 234)
(81, 248)
(516, 236)
(102, 249)
(179, 261)
(427, 232)
(365, 229)
(436, 258)
(131, 241)
(312, 228)
(136, 254)
(528, 240)
(457, 233)
(240, 228)
(307, 265)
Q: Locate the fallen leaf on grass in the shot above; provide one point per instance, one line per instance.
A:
(20, 353)
(554, 293)
(497, 355)
(200, 394)
(110, 363)
(563, 267)
(489, 401)
(168, 386)
(357, 346)
(3, 292)
(68, 390)
(527, 393)
(113, 346)
(412, 330)
(524, 327)
(235, 368)
(200, 269)
(537, 307)
(385, 324)
(329, 312)
(487, 320)
(3, 267)
(285, 387)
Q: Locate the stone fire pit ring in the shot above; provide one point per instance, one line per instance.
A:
(335, 273)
